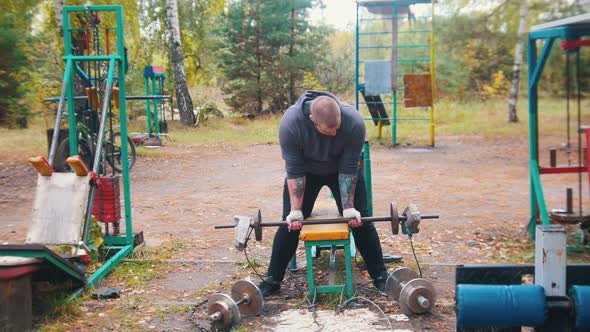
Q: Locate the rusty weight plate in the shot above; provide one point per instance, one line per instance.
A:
(394, 218)
(258, 226)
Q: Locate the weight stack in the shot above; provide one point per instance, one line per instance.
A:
(107, 203)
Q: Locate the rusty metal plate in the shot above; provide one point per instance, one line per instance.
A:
(394, 218)
(255, 301)
(258, 226)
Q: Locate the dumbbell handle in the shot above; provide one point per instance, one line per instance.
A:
(421, 300)
(245, 299)
(333, 221)
(217, 315)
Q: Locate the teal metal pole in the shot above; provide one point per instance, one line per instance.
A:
(367, 174)
(104, 269)
(156, 122)
(148, 111)
(532, 92)
(124, 134)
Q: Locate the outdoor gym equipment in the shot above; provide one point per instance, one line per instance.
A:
(493, 297)
(156, 120)
(64, 202)
(409, 220)
(226, 312)
(560, 297)
(414, 294)
(571, 31)
(394, 62)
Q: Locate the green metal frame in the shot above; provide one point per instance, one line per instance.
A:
(122, 244)
(157, 88)
(46, 256)
(394, 95)
(538, 206)
(313, 288)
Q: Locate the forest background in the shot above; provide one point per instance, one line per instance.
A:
(249, 57)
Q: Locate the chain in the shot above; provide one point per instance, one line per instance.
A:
(201, 324)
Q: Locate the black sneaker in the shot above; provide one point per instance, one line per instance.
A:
(381, 281)
(269, 286)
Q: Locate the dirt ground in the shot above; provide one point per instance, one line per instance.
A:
(478, 186)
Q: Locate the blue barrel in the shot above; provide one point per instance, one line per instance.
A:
(500, 306)
(581, 297)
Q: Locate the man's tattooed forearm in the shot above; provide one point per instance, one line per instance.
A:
(299, 187)
(347, 187)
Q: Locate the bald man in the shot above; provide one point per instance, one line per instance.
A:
(321, 140)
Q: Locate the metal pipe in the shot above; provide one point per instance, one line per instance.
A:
(332, 221)
(569, 193)
(54, 99)
(553, 158)
(60, 107)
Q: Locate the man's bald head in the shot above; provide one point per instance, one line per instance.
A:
(325, 113)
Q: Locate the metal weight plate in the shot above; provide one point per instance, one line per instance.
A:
(227, 307)
(393, 286)
(257, 226)
(245, 287)
(394, 218)
(411, 293)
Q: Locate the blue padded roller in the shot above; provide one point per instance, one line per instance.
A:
(500, 306)
(581, 296)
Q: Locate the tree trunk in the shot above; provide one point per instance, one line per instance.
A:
(258, 60)
(183, 98)
(291, 73)
(59, 6)
(512, 115)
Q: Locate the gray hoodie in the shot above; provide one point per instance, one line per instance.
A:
(306, 150)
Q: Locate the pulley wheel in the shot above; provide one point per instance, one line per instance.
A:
(248, 288)
(393, 286)
(394, 218)
(417, 296)
(230, 315)
(258, 226)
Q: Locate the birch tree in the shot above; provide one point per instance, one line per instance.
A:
(183, 98)
(512, 114)
(59, 7)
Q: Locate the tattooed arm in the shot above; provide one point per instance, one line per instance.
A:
(347, 185)
(296, 189)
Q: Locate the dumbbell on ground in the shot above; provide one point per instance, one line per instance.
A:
(226, 312)
(414, 295)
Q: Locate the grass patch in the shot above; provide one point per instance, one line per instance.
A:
(452, 117)
(142, 151)
(141, 267)
(21, 144)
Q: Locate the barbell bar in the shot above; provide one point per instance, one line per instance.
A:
(410, 217)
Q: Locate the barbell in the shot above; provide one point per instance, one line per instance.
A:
(225, 312)
(414, 295)
(409, 219)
